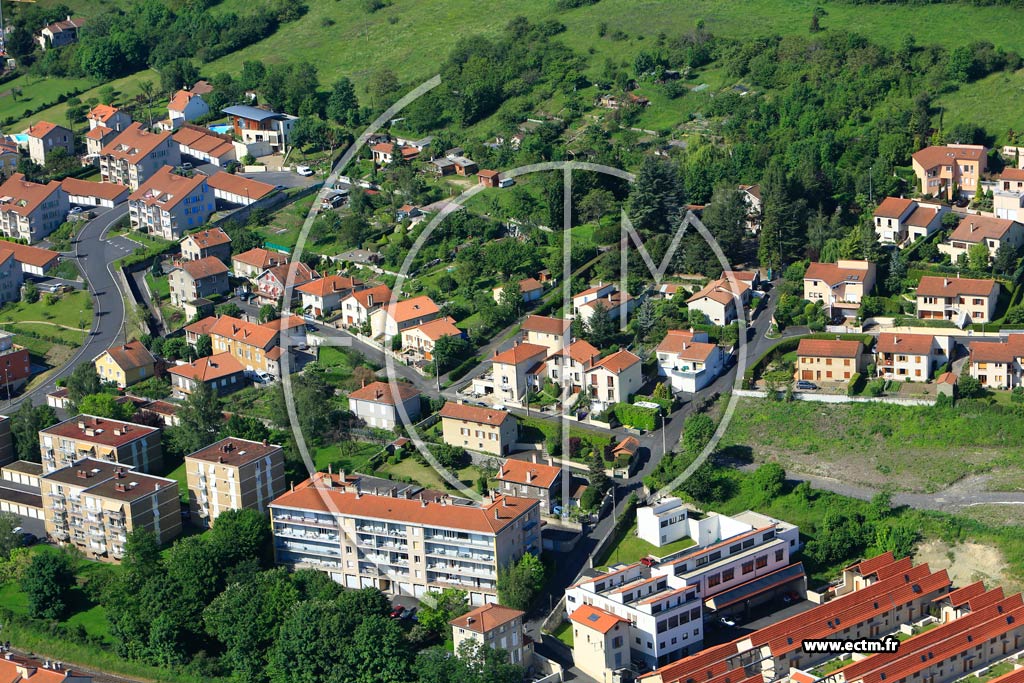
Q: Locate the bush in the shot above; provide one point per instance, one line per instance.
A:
(636, 416)
(856, 384)
(875, 387)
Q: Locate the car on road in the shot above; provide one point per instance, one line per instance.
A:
(804, 385)
(311, 328)
(304, 170)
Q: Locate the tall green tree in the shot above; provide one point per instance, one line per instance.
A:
(519, 583)
(781, 238)
(438, 608)
(25, 426)
(83, 381)
(726, 218)
(47, 583)
(8, 539)
(200, 416)
(378, 652)
(342, 104)
(656, 197)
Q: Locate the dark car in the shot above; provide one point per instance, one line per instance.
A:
(407, 613)
(28, 539)
(804, 385)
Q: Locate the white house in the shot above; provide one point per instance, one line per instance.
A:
(614, 378)
(357, 307)
(376, 404)
(688, 360)
(186, 106)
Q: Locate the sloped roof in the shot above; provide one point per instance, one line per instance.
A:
(239, 185)
(234, 451)
(166, 189)
(380, 392)
(23, 196)
(209, 368)
(831, 274)
(134, 143)
(89, 188)
(921, 217)
(486, 618)
(532, 473)
(378, 294)
(130, 356)
(914, 344)
(207, 266)
(328, 285)
(545, 325)
(618, 361)
(933, 156)
(181, 100)
(596, 618)
(441, 327)
(520, 353)
(468, 413)
(210, 237)
(931, 285)
(981, 228)
(411, 309)
(829, 348)
(101, 112)
(722, 291)
(42, 129)
(893, 207)
(33, 256)
(260, 258)
(242, 331)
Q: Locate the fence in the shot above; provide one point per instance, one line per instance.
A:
(836, 398)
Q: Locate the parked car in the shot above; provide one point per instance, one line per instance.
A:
(648, 561)
(396, 612)
(804, 385)
(186, 166)
(304, 170)
(407, 613)
(791, 597)
(264, 378)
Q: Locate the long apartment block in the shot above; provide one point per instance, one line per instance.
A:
(101, 438)
(402, 543)
(94, 505)
(233, 474)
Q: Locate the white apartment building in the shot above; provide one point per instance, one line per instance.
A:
(402, 543)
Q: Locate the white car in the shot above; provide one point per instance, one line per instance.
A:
(304, 170)
(264, 377)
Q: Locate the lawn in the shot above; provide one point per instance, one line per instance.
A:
(351, 456)
(564, 633)
(988, 101)
(631, 548)
(159, 286)
(68, 309)
(36, 91)
(427, 476)
(178, 475)
(285, 224)
(907, 447)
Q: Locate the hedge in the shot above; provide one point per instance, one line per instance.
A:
(637, 416)
(791, 344)
(462, 368)
(665, 403)
(856, 384)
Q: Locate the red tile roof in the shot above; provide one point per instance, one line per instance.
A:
(532, 473)
(329, 285)
(166, 189)
(922, 217)
(131, 355)
(88, 188)
(242, 331)
(980, 228)
(215, 146)
(1015, 174)
(410, 309)
(134, 143)
(381, 392)
(486, 618)
(680, 343)
(202, 326)
(12, 668)
(260, 258)
(520, 353)
(234, 451)
(211, 237)
(596, 618)
(209, 368)
(829, 348)
(930, 157)
(893, 207)
(545, 325)
(208, 266)
(998, 351)
(931, 285)
(33, 256)
(468, 413)
(41, 129)
(99, 132)
(435, 329)
(23, 196)
(721, 291)
(103, 429)
(239, 185)
(832, 274)
(529, 285)
(618, 361)
(300, 272)
(628, 445)
(581, 351)
(180, 100)
(323, 493)
(914, 344)
(372, 296)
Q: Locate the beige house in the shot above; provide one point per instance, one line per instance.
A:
(1008, 196)
(198, 279)
(31, 211)
(515, 370)
(717, 300)
(101, 438)
(839, 285)
(402, 542)
(44, 137)
(391, 319)
(93, 505)
(901, 221)
(253, 262)
(233, 474)
(828, 360)
(992, 232)
(376, 404)
(221, 372)
(949, 171)
(107, 116)
(168, 204)
(357, 307)
(422, 338)
(600, 643)
(961, 300)
(497, 627)
(60, 33)
(136, 154)
(998, 365)
(531, 480)
(614, 379)
(546, 331)
(914, 356)
(97, 138)
(529, 289)
(125, 364)
(568, 367)
(210, 242)
(254, 346)
(323, 296)
(478, 429)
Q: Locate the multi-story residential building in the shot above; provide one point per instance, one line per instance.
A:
(250, 344)
(614, 379)
(323, 296)
(949, 171)
(11, 275)
(840, 286)
(531, 480)
(529, 289)
(376, 404)
(901, 221)
(874, 599)
(168, 204)
(262, 131)
(600, 643)
(186, 106)
(93, 505)
(1008, 196)
(688, 360)
(568, 366)
(828, 360)
(422, 338)
(210, 242)
(271, 283)
(197, 279)
(6, 442)
(497, 627)
(101, 438)
(125, 364)
(357, 307)
(961, 300)
(136, 154)
(515, 371)
(9, 158)
(221, 372)
(391, 319)
(546, 331)
(96, 139)
(233, 474)
(478, 429)
(253, 262)
(992, 232)
(402, 545)
(31, 211)
(15, 364)
(60, 33)
(998, 365)
(717, 300)
(18, 669)
(107, 116)
(44, 137)
(914, 356)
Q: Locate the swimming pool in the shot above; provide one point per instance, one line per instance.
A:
(221, 128)
(20, 138)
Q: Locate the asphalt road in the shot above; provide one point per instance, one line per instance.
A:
(95, 258)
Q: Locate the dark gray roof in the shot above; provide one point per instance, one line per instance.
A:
(251, 113)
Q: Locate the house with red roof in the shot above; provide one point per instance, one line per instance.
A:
(912, 356)
(256, 260)
(107, 116)
(221, 372)
(31, 211)
(497, 627)
(829, 360)
(994, 233)
(323, 296)
(614, 379)
(92, 193)
(379, 405)
(546, 331)
(186, 106)
(688, 360)
(197, 280)
(421, 339)
(600, 643)
(33, 260)
(960, 299)
(568, 367)
(209, 242)
(15, 668)
(517, 371)
(238, 190)
(358, 306)
(271, 283)
(839, 286)
(391, 319)
(168, 204)
(529, 289)
(125, 364)
(531, 480)
(478, 429)
(998, 364)
(383, 152)
(718, 300)
(901, 221)
(96, 139)
(949, 171)
(202, 145)
(44, 137)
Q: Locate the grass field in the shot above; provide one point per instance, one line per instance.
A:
(159, 286)
(909, 448)
(284, 226)
(67, 309)
(36, 91)
(564, 633)
(428, 476)
(351, 456)
(989, 102)
(631, 548)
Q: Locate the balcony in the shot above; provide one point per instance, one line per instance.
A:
(313, 521)
(306, 548)
(302, 534)
(455, 540)
(461, 569)
(475, 557)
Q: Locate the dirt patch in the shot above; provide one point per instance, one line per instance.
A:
(966, 563)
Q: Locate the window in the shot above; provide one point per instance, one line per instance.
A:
(778, 555)
(762, 561)
(714, 580)
(748, 567)
(729, 574)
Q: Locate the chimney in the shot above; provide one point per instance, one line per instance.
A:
(533, 457)
(423, 502)
(529, 476)
(945, 283)
(496, 514)
(81, 424)
(973, 227)
(220, 459)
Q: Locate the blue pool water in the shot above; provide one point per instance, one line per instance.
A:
(19, 138)
(220, 128)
